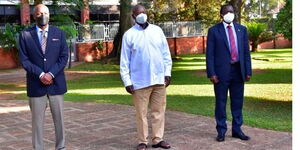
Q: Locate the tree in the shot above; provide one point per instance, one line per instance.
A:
(260, 9)
(255, 30)
(125, 23)
(237, 5)
(207, 12)
(283, 23)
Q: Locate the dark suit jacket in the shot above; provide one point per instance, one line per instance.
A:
(218, 52)
(35, 62)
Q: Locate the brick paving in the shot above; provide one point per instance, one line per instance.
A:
(98, 126)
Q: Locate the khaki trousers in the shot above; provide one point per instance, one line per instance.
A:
(156, 96)
(38, 107)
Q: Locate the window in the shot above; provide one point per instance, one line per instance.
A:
(9, 14)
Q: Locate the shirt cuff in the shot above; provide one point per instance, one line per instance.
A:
(51, 74)
(168, 73)
(41, 74)
(127, 83)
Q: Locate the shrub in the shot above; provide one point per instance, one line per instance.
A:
(255, 29)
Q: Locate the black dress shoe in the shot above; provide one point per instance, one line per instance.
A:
(141, 146)
(220, 137)
(241, 136)
(162, 144)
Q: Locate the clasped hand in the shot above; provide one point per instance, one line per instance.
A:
(46, 79)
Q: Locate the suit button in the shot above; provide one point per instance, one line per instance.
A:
(45, 59)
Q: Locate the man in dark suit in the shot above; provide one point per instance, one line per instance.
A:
(44, 55)
(228, 65)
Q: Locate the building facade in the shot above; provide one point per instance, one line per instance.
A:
(20, 11)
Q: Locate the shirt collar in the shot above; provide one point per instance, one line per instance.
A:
(139, 27)
(38, 30)
(225, 24)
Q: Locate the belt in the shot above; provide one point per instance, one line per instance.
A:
(235, 63)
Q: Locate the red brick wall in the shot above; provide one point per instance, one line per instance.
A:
(187, 45)
(281, 42)
(184, 45)
(88, 52)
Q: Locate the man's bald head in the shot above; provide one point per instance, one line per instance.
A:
(138, 9)
(40, 9)
(41, 15)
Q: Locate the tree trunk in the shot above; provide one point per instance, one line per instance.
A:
(237, 6)
(254, 46)
(125, 24)
(196, 14)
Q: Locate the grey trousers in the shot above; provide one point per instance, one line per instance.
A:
(38, 107)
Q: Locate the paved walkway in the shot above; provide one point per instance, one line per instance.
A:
(18, 76)
(98, 126)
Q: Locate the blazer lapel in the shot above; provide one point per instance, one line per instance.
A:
(223, 35)
(36, 39)
(238, 37)
(49, 37)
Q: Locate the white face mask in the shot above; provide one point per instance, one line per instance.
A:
(228, 18)
(141, 18)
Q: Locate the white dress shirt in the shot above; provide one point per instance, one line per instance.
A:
(145, 57)
(234, 34)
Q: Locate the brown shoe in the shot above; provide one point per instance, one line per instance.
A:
(141, 146)
(162, 144)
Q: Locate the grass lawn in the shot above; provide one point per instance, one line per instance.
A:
(268, 96)
(7, 70)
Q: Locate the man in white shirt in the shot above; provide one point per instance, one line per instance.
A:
(145, 68)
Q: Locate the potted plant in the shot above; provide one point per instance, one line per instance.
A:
(9, 46)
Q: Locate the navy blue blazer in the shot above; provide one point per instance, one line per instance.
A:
(35, 62)
(218, 52)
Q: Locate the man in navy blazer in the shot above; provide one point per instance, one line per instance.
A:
(228, 65)
(44, 55)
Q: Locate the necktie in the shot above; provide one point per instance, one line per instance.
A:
(234, 53)
(44, 41)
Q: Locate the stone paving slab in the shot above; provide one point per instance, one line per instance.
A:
(98, 126)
